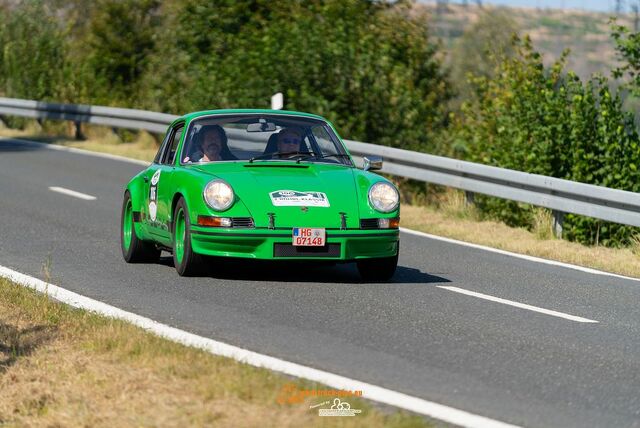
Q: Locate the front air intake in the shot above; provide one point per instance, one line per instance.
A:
(288, 250)
(242, 222)
(369, 223)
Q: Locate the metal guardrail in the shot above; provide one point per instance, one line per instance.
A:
(561, 196)
(79, 113)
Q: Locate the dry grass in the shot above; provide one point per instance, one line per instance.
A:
(66, 367)
(140, 145)
(541, 243)
(543, 224)
(455, 204)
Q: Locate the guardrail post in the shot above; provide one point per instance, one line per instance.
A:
(558, 219)
(469, 197)
(79, 134)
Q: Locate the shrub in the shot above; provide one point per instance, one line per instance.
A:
(546, 121)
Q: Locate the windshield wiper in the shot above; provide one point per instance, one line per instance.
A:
(282, 155)
(318, 156)
(337, 155)
(312, 155)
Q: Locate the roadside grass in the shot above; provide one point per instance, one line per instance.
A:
(449, 216)
(454, 219)
(61, 366)
(136, 145)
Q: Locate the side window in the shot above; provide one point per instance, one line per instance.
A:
(163, 146)
(170, 154)
(324, 141)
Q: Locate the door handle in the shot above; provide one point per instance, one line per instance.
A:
(146, 179)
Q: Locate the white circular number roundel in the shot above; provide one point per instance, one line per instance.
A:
(153, 210)
(155, 178)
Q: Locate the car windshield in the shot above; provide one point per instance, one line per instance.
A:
(262, 138)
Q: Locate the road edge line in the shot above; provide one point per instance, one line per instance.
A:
(370, 392)
(518, 255)
(76, 150)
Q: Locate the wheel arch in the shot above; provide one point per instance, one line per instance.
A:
(174, 201)
(136, 191)
(192, 195)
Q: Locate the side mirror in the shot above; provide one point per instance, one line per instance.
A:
(372, 163)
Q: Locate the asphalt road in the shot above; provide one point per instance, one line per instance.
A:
(486, 357)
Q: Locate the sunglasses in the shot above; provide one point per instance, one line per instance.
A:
(290, 141)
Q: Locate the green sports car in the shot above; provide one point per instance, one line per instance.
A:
(261, 184)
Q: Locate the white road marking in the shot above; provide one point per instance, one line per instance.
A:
(517, 304)
(72, 193)
(370, 392)
(520, 256)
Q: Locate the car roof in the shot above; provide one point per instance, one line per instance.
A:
(194, 115)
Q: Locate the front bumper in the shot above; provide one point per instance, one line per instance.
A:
(274, 244)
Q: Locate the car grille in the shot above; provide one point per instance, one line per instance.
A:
(246, 222)
(369, 223)
(288, 250)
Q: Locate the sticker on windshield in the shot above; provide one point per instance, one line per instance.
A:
(293, 198)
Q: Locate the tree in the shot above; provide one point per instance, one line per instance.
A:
(31, 51)
(369, 66)
(477, 52)
(628, 50)
(121, 37)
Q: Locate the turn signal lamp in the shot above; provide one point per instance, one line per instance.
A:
(214, 221)
(389, 223)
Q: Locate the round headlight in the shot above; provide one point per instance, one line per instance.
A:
(218, 195)
(384, 197)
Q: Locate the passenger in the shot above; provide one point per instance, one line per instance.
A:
(289, 140)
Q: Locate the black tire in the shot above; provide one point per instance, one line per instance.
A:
(138, 251)
(377, 270)
(191, 263)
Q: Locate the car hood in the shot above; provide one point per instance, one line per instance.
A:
(298, 195)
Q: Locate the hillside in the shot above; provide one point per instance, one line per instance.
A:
(585, 33)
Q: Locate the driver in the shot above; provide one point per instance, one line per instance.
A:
(212, 144)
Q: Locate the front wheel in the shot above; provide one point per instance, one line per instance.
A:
(379, 269)
(134, 250)
(187, 262)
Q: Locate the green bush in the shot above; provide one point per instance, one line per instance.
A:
(31, 51)
(546, 121)
(120, 38)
